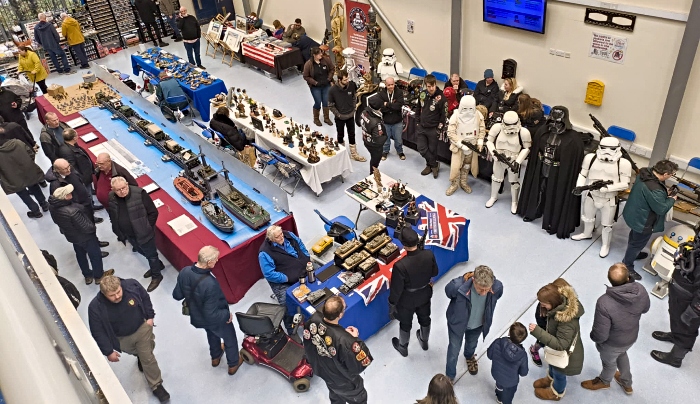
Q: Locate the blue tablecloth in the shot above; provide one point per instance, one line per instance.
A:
(370, 318)
(200, 97)
(163, 173)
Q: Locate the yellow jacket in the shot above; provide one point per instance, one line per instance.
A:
(32, 65)
(70, 29)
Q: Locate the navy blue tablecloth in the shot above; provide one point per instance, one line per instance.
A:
(200, 97)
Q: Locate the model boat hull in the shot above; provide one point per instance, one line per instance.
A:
(217, 217)
(191, 193)
(247, 211)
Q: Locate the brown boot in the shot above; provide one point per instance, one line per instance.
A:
(326, 117)
(452, 188)
(542, 383)
(595, 384)
(549, 394)
(215, 362)
(463, 181)
(354, 155)
(317, 113)
(473, 365)
(233, 369)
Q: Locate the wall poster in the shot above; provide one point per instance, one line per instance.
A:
(608, 47)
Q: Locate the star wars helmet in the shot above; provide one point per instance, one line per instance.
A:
(609, 150)
(559, 119)
(372, 16)
(388, 57)
(511, 123)
(467, 108)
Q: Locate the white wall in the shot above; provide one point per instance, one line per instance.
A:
(310, 12)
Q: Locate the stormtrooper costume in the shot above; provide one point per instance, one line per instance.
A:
(605, 164)
(389, 67)
(350, 66)
(513, 141)
(465, 124)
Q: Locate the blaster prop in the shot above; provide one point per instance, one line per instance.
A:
(593, 186)
(693, 186)
(514, 167)
(482, 153)
(604, 133)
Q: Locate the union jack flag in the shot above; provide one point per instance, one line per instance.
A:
(449, 224)
(378, 282)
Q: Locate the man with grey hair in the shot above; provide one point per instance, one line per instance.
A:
(473, 299)
(121, 320)
(70, 29)
(283, 260)
(51, 137)
(208, 308)
(133, 215)
(45, 34)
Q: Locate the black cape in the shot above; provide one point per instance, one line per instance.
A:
(561, 209)
(682, 293)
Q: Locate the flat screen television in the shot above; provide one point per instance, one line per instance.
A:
(528, 15)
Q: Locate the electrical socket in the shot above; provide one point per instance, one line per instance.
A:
(567, 55)
(560, 53)
(410, 25)
(552, 51)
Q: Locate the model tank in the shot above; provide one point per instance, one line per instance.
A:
(217, 216)
(242, 207)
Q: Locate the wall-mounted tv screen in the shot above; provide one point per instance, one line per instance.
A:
(528, 15)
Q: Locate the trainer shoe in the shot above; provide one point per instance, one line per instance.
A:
(161, 393)
(402, 156)
(628, 390)
(535, 355)
(384, 156)
(635, 275)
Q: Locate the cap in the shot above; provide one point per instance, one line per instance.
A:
(62, 192)
(298, 21)
(409, 237)
(488, 74)
(375, 102)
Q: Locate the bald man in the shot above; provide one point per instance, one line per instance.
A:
(616, 326)
(106, 169)
(391, 115)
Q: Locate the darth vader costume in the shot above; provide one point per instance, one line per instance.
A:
(552, 171)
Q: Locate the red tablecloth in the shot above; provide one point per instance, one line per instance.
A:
(237, 269)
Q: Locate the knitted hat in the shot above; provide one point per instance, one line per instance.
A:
(488, 74)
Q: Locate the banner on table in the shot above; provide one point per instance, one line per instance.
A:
(449, 224)
(357, 19)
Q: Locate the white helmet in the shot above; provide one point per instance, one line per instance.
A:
(511, 123)
(388, 57)
(609, 150)
(467, 108)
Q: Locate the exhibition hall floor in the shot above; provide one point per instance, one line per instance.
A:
(522, 255)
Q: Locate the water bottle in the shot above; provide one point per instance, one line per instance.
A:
(275, 204)
(310, 272)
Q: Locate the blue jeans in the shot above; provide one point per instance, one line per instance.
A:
(149, 250)
(25, 196)
(505, 394)
(393, 131)
(79, 50)
(559, 379)
(54, 54)
(280, 291)
(173, 25)
(635, 245)
(89, 248)
(320, 95)
(227, 332)
(193, 52)
(471, 338)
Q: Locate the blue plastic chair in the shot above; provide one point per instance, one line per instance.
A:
(471, 85)
(441, 76)
(265, 157)
(418, 72)
(287, 170)
(178, 99)
(695, 163)
(339, 219)
(622, 133)
(546, 109)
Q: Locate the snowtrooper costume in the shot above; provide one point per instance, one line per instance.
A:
(389, 67)
(605, 164)
(465, 124)
(513, 141)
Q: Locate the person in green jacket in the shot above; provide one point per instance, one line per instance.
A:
(70, 29)
(646, 209)
(562, 310)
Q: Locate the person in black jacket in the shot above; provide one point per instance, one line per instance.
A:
(486, 92)
(61, 174)
(411, 291)
(430, 119)
(337, 354)
(51, 137)
(148, 11)
(208, 307)
(121, 320)
(392, 117)
(341, 101)
(10, 108)
(459, 85)
(133, 216)
(75, 224)
(508, 97)
(77, 157)
(191, 34)
(11, 130)
(373, 130)
(305, 44)
(222, 123)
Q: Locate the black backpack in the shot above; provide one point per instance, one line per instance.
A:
(68, 286)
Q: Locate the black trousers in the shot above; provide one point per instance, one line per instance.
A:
(678, 301)
(348, 397)
(427, 142)
(635, 245)
(375, 155)
(405, 316)
(340, 125)
(152, 26)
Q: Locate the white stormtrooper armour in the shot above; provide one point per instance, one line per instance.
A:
(389, 67)
(350, 65)
(513, 141)
(465, 124)
(606, 165)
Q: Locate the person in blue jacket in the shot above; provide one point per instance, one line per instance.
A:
(509, 361)
(473, 299)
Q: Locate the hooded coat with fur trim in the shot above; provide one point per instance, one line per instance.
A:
(562, 327)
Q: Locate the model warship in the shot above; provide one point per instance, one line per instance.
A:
(245, 209)
(191, 193)
(217, 216)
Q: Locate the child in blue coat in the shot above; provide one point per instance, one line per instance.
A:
(509, 360)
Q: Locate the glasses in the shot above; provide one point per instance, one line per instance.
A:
(122, 189)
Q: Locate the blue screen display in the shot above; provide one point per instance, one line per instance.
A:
(523, 14)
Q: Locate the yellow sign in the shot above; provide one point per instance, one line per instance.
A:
(594, 93)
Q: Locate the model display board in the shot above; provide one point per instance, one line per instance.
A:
(178, 67)
(79, 97)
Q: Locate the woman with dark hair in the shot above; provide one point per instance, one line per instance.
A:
(562, 310)
(30, 63)
(440, 391)
(221, 123)
(530, 112)
(541, 320)
(318, 73)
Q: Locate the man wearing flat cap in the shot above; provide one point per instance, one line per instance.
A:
(411, 291)
(76, 225)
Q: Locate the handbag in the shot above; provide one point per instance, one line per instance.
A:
(185, 305)
(559, 359)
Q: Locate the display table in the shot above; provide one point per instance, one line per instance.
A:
(274, 63)
(200, 97)
(314, 175)
(237, 270)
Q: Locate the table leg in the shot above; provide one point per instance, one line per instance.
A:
(362, 207)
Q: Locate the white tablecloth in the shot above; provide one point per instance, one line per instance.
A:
(372, 203)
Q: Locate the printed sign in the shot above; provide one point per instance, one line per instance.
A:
(358, 18)
(608, 47)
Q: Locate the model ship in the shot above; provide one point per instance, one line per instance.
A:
(205, 171)
(242, 207)
(348, 248)
(217, 216)
(191, 193)
(355, 260)
(368, 267)
(372, 231)
(377, 243)
(389, 252)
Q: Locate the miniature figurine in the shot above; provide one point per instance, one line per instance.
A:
(377, 178)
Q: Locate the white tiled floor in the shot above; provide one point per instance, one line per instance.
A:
(522, 255)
